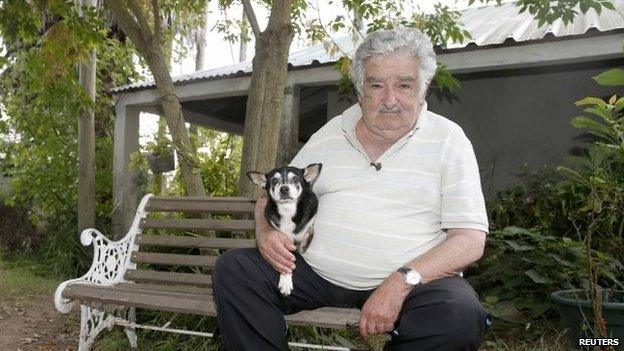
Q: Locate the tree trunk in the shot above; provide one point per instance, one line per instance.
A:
(176, 124)
(159, 179)
(242, 49)
(200, 41)
(86, 143)
(266, 96)
(148, 43)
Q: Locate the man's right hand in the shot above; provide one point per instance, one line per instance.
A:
(275, 247)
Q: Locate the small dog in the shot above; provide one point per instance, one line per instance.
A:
(291, 207)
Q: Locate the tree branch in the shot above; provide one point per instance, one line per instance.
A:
(251, 17)
(139, 14)
(127, 23)
(157, 23)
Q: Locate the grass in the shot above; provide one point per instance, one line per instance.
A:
(25, 278)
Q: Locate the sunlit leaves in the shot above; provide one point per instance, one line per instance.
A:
(41, 99)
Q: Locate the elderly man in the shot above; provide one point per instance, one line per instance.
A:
(401, 214)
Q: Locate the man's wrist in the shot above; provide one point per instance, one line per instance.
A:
(396, 278)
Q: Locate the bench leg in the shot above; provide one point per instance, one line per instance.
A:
(92, 322)
(130, 332)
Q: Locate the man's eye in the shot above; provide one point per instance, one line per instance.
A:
(405, 86)
(376, 86)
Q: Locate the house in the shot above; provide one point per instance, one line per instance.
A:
(519, 84)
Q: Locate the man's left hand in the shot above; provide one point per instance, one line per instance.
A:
(382, 308)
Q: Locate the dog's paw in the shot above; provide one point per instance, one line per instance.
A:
(285, 284)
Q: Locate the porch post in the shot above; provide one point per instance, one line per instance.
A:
(126, 142)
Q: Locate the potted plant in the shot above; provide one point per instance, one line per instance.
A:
(596, 210)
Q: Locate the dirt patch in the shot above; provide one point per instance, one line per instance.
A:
(29, 321)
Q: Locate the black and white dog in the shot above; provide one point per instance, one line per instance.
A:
(291, 207)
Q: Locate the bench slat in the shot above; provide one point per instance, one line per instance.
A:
(188, 289)
(327, 317)
(173, 259)
(202, 304)
(194, 206)
(193, 242)
(203, 199)
(148, 298)
(197, 224)
(142, 275)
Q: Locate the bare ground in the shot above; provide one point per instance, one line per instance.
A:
(28, 319)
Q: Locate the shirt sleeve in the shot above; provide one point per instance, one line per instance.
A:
(463, 205)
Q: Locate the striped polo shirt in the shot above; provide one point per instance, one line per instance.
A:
(371, 222)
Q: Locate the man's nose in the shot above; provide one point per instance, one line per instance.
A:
(390, 97)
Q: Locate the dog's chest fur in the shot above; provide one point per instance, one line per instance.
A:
(287, 212)
(293, 219)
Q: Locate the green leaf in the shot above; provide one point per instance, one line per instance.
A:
(538, 277)
(611, 77)
(619, 104)
(608, 5)
(590, 101)
(518, 247)
(491, 299)
(591, 124)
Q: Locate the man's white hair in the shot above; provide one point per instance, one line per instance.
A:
(384, 42)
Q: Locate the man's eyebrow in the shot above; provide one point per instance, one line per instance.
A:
(374, 79)
(401, 78)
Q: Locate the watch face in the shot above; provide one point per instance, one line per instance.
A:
(412, 278)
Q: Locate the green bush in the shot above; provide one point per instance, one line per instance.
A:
(523, 267)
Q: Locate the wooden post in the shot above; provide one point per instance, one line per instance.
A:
(86, 142)
(126, 143)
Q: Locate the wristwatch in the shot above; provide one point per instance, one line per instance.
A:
(411, 277)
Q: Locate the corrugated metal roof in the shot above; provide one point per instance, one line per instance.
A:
(488, 25)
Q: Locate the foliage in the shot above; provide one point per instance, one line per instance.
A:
(41, 100)
(548, 11)
(575, 213)
(17, 234)
(219, 162)
(535, 201)
(522, 267)
(598, 179)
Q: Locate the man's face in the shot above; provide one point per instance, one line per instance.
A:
(391, 98)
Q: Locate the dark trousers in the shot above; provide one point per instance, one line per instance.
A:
(441, 315)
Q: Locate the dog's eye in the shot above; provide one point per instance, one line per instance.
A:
(295, 180)
(273, 182)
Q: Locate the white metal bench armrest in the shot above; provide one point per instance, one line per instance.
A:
(111, 259)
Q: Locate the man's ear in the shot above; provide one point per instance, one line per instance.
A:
(258, 178)
(311, 172)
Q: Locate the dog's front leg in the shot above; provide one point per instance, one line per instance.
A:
(285, 284)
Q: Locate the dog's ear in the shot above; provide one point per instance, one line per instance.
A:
(312, 172)
(258, 178)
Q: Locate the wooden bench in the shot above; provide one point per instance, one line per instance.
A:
(152, 269)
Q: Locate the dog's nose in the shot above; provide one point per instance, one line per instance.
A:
(284, 190)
